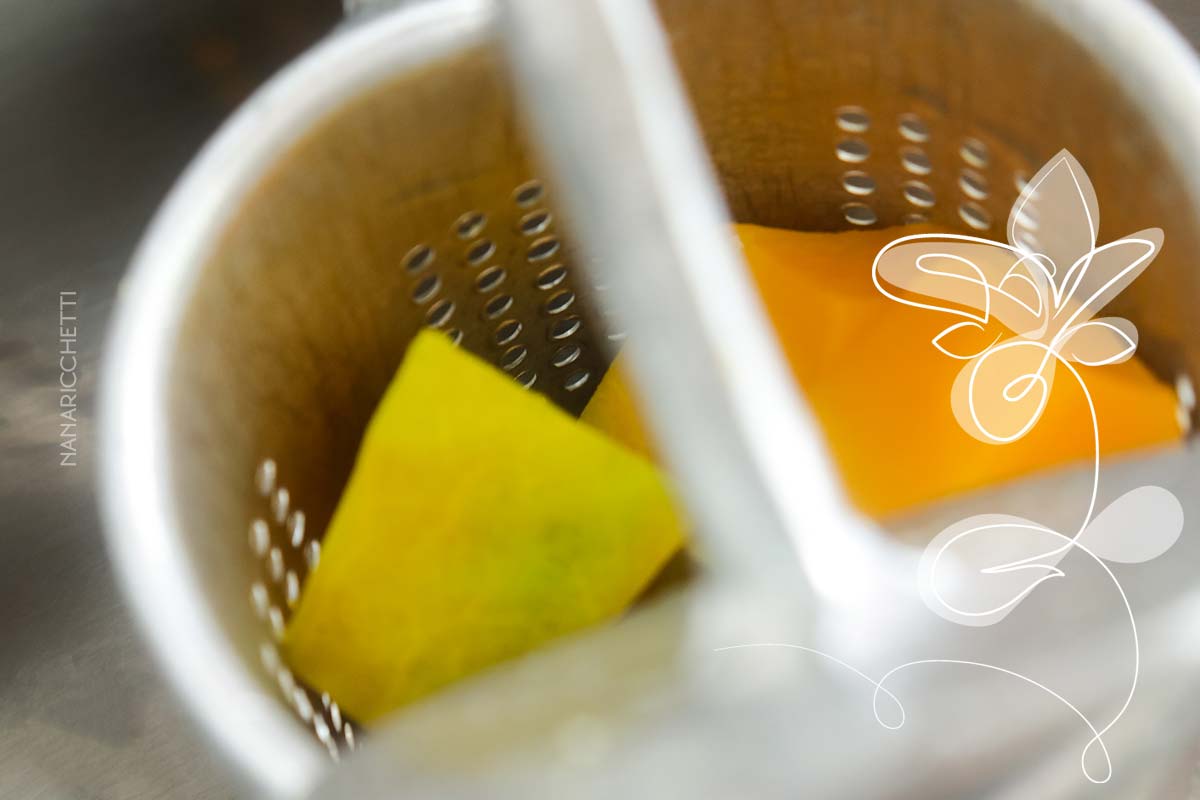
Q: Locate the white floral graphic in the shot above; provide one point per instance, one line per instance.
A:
(1028, 306)
(1018, 313)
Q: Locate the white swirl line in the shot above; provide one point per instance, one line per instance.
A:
(1097, 735)
(1012, 392)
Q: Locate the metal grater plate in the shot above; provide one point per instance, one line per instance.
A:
(498, 281)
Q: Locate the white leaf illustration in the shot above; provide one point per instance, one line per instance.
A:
(979, 569)
(961, 275)
(999, 397)
(1100, 342)
(963, 340)
(1061, 198)
(1028, 284)
(1045, 286)
(1099, 275)
(1139, 525)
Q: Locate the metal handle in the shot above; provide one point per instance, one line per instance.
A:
(631, 169)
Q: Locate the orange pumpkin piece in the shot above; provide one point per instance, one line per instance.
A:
(882, 393)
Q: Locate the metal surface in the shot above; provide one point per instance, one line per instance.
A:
(111, 99)
(104, 104)
(277, 289)
(261, 320)
(997, 108)
(634, 173)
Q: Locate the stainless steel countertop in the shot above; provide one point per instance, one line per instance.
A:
(104, 103)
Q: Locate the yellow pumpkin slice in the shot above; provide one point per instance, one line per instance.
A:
(479, 522)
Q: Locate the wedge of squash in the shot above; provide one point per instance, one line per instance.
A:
(882, 392)
(479, 522)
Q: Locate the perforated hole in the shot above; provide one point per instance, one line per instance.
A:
(440, 313)
(497, 306)
(859, 214)
(275, 617)
(303, 704)
(551, 276)
(853, 151)
(565, 328)
(527, 193)
(1024, 240)
(527, 378)
(542, 249)
(470, 224)
(853, 119)
(974, 152)
(418, 259)
(1026, 218)
(264, 477)
(914, 219)
(260, 537)
(975, 216)
(507, 331)
(973, 184)
(287, 682)
(576, 380)
(275, 562)
(295, 528)
(280, 502)
(913, 128)
(919, 194)
(489, 279)
(534, 222)
(513, 357)
(560, 302)
(1185, 391)
(480, 252)
(321, 728)
(567, 354)
(425, 290)
(914, 161)
(455, 335)
(1025, 223)
(269, 657)
(260, 599)
(858, 183)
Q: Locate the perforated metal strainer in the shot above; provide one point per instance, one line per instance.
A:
(386, 182)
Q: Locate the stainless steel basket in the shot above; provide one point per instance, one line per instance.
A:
(386, 181)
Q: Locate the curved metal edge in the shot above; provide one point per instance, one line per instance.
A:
(254, 730)
(660, 173)
(1149, 59)
(612, 115)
